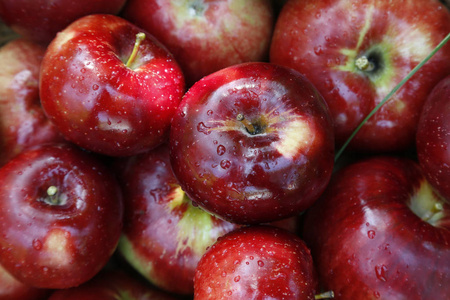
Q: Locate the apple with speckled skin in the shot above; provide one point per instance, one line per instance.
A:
(23, 122)
(252, 143)
(433, 138)
(40, 20)
(109, 86)
(379, 231)
(369, 47)
(256, 262)
(61, 216)
(206, 36)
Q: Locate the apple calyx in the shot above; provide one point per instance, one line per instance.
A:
(197, 8)
(253, 128)
(427, 204)
(54, 197)
(325, 295)
(139, 38)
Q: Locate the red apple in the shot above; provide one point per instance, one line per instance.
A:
(256, 262)
(111, 285)
(61, 216)
(40, 20)
(102, 95)
(380, 232)
(23, 122)
(356, 52)
(433, 138)
(164, 235)
(252, 143)
(206, 36)
(13, 289)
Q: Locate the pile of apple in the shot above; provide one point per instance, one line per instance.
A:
(192, 149)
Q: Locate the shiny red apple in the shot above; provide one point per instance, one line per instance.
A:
(256, 262)
(109, 87)
(60, 216)
(433, 138)
(252, 143)
(23, 122)
(41, 20)
(206, 36)
(356, 52)
(380, 232)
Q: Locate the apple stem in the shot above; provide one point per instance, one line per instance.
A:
(364, 64)
(51, 192)
(139, 38)
(249, 126)
(325, 295)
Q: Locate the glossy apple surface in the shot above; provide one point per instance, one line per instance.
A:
(112, 285)
(206, 36)
(23, 122)
(13, 289)
(100, 99)
(252, 143)
(380, 232)
(61, 216)
(356, 52)
(41, 20)
(433, 138)
(256, 262)
(164, 235)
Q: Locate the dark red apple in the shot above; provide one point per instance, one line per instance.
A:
(60, 216)
(356, 52)
(164, 235)
(22, 120)
(380, 232)
(112, 285)
(256, 262)
(40, 20)
(433, 138)
(106, 94)
(206, 36)
(252, 143)
(13, 289)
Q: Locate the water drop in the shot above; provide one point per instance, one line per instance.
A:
(318, 50)
(371, 234)
(37, 244)
(95, 87)
(201, 127)
(225, 164)
(221, 150)
(237, 278)
(260, 263)
(380, 271)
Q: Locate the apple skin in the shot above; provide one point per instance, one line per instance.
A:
(433, 138)
(392, 35)
(380, 232)
(164, 235)
(63, 240)
(256, 262)
(112, 285)
(40, 20)
(206, 36)
(273, 173)
(23, 122)
(99, 103)
(13, 289)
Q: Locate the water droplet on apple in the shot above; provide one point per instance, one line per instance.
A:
(201, 127)
(225, 164)
(209, 112)
(221, 150)
(95, 87)
(37, 244)
(371, 234)
(260, 263)
(376, 294)
(318, 50)
(237, 278)
(380, 272)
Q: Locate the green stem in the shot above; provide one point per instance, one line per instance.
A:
(139, 38)
(394, 90)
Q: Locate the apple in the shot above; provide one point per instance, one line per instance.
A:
(356, 52)
(110, 87)
(380, 232)
(164, 235)
(433, 138)
(41, 20)
(252, 143)
(13, 289)
(206, 36)
(256, 262)
(61, 216)
(112, 285)
(23, 122)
